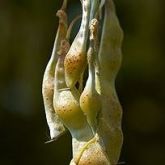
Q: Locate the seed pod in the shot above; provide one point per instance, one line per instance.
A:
(110, 60)
(75, 60)
(55, 125)
(66, 100)
(110, 55)
(90, 100)
(66, 105)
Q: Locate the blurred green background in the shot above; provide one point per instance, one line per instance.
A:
(27, 31)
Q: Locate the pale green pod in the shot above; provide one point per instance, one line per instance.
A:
(66, 100)
(90, 100)
(55, 125)
(110, 55)
(66, 105)
(110, 61)
(75, 60)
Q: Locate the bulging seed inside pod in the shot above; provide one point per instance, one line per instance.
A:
(66, 100)
(90, 100)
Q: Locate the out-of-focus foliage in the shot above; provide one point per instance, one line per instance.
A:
(27, 31)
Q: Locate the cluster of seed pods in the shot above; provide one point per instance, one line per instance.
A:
(91, 112)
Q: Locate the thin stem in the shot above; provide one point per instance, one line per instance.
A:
(64, 5)
(71, 26)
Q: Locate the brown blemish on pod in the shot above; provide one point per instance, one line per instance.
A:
(75, 61)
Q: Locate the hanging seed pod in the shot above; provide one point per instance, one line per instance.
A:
(110, 55)
(66, 105)
(110, 60)
(96, 139)
(90, 100)
(55, 125)
(93, 152)
(66, 100)
(75, 60)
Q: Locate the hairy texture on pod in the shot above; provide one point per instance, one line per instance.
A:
(55, 125)
(75, 60)
(110, 61)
